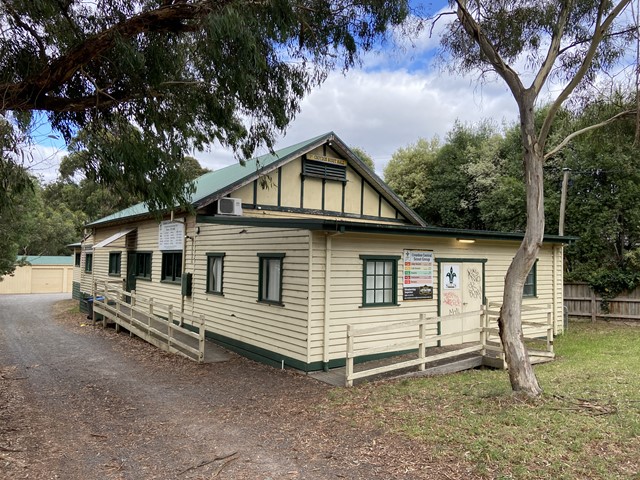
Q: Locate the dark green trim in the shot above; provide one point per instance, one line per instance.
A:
(344, 190)
(75, 291)
(534, 269)
(324, 186)
(461, 260)
(275, 359)
(379, 205)
(221, 256)
(394, 279)
(77, 259)
(279, 186)
(175, 262)
(88, 262)
(144, 276)
(255, 192)
(301, 190)
(360, 227)
(309, 211)
(262, 257)
(118, 264)
(361, 195)
(271, 255)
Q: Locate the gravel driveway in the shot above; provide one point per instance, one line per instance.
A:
(81, 402)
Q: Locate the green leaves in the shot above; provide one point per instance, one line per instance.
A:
(158, 79)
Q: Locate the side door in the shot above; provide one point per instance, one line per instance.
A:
(130, 283)
(461, 290)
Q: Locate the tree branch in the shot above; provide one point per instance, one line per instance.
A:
(474, 31)
(568, 138)
(174, 18)
(554, 48)
(598, 33)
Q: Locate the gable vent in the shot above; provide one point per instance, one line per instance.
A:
(328, 171)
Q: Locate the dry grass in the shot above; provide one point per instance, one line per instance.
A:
(586, 425)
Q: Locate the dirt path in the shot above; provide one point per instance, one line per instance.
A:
(80, 402)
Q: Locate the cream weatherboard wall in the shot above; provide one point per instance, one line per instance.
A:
(337, 301)
(237, 316)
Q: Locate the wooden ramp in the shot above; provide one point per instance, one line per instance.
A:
(162, 331)
(451, 364)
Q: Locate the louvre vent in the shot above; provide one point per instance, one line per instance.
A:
(328, 171)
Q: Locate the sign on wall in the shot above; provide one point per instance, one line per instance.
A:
(418, 275)
(450, 276)
(170, 235)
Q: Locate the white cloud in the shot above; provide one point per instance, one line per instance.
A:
(384, 110)
(43, 161)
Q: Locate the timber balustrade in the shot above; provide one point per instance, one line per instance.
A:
(155, 322)
(537, 326)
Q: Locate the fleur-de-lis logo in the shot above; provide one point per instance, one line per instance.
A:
(451, 275)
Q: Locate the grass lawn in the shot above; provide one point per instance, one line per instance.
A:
(586, 425)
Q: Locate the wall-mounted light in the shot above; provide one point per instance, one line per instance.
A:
(466, 240)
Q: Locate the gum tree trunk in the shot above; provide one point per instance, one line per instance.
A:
(521, 375)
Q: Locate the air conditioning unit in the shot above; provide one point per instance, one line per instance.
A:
(230, 206)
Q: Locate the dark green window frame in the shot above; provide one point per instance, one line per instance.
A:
(115, 259)
(171, 267)
(531, 283)
(143, 265)
(77, 260)
(215, 261)
(88, 262)
(270, 287)
(379, 280)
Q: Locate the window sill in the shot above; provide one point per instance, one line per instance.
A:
(217, 294)
(172, 282)
(378, 305)
(146, 279)
(267, 302)
(115, 275)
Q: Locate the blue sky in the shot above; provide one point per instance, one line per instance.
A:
(395, 98)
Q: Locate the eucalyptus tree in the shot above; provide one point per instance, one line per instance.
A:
(528, 44)
(164, 77)
(184, 73)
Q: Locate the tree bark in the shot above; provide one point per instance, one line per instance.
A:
(521, 375)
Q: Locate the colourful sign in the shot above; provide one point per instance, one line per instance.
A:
(418, 275)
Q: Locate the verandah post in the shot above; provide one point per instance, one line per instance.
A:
(169, 325)
(201, 338)
(349, 359)
(421, 343)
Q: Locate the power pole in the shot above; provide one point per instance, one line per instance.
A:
(563, 198)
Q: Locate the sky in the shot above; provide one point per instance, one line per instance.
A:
(393, 99)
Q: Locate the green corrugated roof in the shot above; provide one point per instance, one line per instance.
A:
(45, 260)
(217, 181)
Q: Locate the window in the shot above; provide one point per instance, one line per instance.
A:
(379, 280)
(114, 263)
(530, 288)
(143, 265)
(270, 278)
(171, 266)
(78, 255)
(214, 272)
(88, 262)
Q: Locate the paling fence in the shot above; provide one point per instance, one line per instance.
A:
(581, 301)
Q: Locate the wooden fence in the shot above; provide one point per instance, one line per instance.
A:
(153, 321)
(488, 346)
(581, 301)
